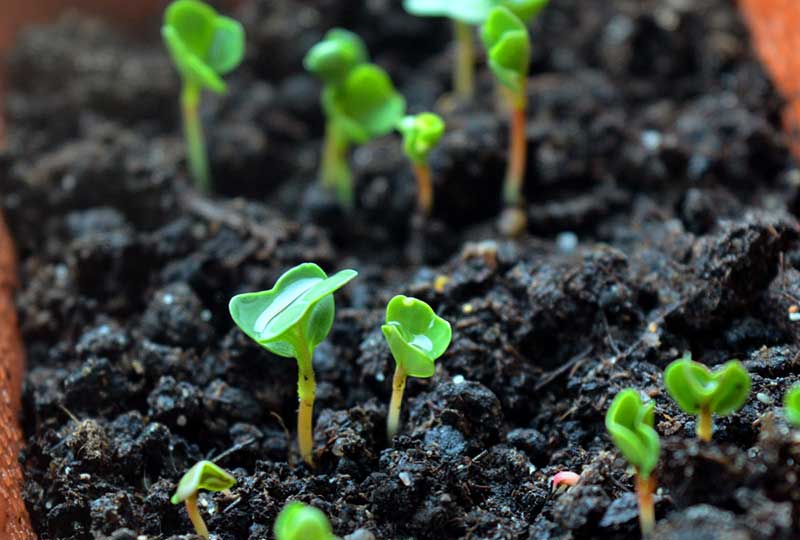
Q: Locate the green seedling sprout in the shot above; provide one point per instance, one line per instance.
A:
(290, 320)
(204, 46)
(421, 134)
(416, 338)
(332, 60)
(508, 46)
(464, 14)
(203, 475)
(630, 424)
(298, 521)
(791, 405)
(702, 392)
(359, 101)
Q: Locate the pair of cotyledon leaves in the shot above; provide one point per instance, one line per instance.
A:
(203, 44)
(297, 314)
(630, 424)
(696, 388)
(359, 97)
(421, 134)
(203, 475)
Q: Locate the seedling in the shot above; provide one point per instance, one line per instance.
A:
(332, 60)
(421, 134)
(416, 338)
(791, 405)
(466, 13)
(508, 46)
(630, 424)
(290, 320)
(204, 46)
(702, 392)
(203, 475)
(359, 101)
(298, 521)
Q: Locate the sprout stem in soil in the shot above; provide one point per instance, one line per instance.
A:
(699, 391)
(203, 45)
(203, 475)
(518, 151)
(290, 320)
(416, 338)
(421, 134)
(464, 72)
(630, 424)
(396, 403)
(195, 140)
(645, 487)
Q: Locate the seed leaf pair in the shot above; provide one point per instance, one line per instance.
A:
(630, 424)
(416, 338)
(296, 314)
(290, 320)
(509, 49)
(695, 387)
(203, 44)
(415, 334)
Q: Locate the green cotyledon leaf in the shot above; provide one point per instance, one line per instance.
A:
(508, 46)
(298, 521)
(694, 387)
(203, 44)
(299, 307)
(203, 475)
(629, 422)
(415, 334)
(791, 405)
(366, 105)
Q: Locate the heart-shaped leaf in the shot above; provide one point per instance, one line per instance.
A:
(297, 312)
(630, 424)
(298, 521)
(415, 334)
(333, 58)
(508, 47)
(421, 134)
(694, 387)
(203, 475)
(367, 105)
(202, 44)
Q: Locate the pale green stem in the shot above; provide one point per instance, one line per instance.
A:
(464, 70)
(195, 141)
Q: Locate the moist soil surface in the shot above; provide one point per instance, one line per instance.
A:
(662, 219)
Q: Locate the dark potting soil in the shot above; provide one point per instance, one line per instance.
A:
(654, 139)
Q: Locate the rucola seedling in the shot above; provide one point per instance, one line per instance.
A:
(702, 392)
(416, 338)
(298, 521)
(630, 424)
(203, 475)
(359, 101)
(466, 13)
(791, 405)
(508, 47)
(421, 134)
(204, 46)
(332, 60)
(290, 320)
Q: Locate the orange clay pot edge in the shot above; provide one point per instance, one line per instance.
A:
(14, 520)
(773, 28)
